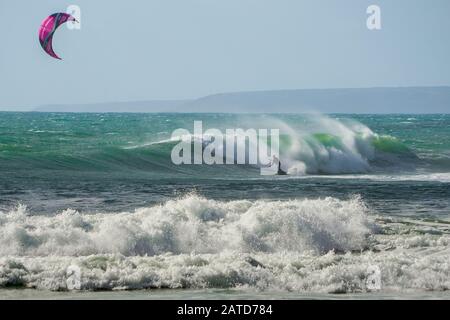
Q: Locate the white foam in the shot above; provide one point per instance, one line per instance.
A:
(432, 177)
(191, 224)
(400, 270)
(322, 245)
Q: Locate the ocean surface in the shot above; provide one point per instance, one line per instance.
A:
(364, 211)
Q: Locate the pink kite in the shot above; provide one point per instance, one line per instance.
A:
(48, 28)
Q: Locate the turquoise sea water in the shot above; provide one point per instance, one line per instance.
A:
(99, 191)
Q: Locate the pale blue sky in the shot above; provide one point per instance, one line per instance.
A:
(177, 49)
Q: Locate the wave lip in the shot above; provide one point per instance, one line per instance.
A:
(333, 146)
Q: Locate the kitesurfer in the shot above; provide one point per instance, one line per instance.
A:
(276, 161)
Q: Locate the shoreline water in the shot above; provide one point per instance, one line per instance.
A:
(210, 294)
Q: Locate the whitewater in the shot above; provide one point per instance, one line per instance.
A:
(322, 245)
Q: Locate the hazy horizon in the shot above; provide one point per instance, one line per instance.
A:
(224, 93)
(377, 100)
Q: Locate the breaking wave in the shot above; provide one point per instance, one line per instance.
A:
(321, 145)
(344, 148)
(321, 245)
(191, 224)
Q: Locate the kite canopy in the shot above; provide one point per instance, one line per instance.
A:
(48, 28)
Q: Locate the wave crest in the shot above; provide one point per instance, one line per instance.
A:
(191, 224)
